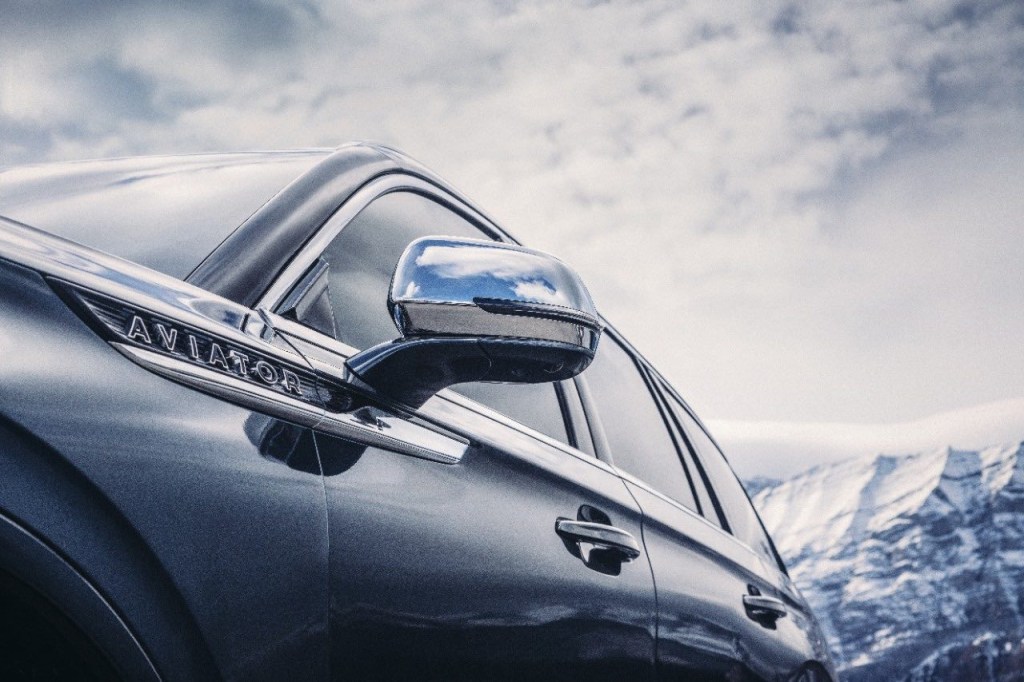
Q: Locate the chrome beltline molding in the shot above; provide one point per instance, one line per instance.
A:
(126, 281)
(725, 542)
(367, 425)
(164, 296)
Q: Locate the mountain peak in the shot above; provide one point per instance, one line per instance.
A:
(910, 549)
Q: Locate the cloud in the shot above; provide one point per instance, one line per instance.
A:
(782, 449)
(798, 211)
(515, 275)
(540, 291)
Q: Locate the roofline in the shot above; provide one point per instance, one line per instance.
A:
(239, 270)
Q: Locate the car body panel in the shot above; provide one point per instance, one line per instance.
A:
(456, 571)
(231, 538)
(163, 212)
(704, 633)
(182, 511)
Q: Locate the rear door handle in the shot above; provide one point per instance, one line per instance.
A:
(599, 535)
(763, 609)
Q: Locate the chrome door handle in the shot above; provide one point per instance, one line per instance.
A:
(599, 535)
(764, 609)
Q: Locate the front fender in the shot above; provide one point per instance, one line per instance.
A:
(62, 536)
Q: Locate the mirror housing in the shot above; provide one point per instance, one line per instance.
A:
(476, 310)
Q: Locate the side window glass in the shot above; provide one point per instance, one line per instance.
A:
(535, 405)
(633, 423)
(695, 474)
(348, 293)
(743, 520)
(362, 258)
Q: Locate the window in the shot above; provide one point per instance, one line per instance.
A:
(362, 258)
(695, 474)
(633, 423)
(743, 520)
(348, 294)
(535, 405)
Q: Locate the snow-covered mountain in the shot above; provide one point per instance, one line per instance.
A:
(913, 563)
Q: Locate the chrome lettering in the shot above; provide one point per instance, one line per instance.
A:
(240, 361)
(291, 381)
(217, 356)
(168, 337)
(266, 371)
(193, 347)
(250, 367)
(137, 330)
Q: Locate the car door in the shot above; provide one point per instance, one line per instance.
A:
(780, 636)
(701, 572)
(457, 532)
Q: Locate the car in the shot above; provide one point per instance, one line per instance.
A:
(314, 415)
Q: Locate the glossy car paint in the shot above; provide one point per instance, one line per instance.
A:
(164, 212)
(456, 572)
(704, 631)
(175, 506)
(192, 538)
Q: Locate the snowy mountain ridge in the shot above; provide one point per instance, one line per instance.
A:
(903, 556)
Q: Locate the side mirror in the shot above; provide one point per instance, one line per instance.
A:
(474, 310)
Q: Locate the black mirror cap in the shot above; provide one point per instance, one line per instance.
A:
(410, 371)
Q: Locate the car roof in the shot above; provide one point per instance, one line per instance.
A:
(243, 267)
(164, 212)
(227, 222)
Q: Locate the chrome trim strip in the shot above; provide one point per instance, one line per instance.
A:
(162, 295)
(630, 478)
(215, 383)
(450, 396)
(367, 425)
(375, 427)
(357, 202)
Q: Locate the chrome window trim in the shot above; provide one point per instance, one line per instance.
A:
(642, 366)
(665, 387)
(371, 191)
(734, 541)
(462, 401)
(345, 351)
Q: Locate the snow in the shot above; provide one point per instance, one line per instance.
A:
(899, 551)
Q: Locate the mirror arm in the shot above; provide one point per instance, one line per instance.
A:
(414, 369)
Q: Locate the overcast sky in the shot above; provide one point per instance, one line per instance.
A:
(800, 212)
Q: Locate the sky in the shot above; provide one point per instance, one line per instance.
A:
(808, 216)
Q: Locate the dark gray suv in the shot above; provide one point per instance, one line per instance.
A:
(313, 415)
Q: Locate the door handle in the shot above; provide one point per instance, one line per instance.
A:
(600, 535)
(763, 609)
